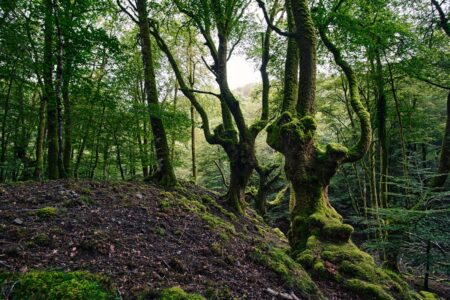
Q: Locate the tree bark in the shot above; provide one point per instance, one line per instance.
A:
(164, 174)
(49, 93)
(67, 154)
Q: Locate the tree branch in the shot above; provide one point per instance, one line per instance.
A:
(271, 25)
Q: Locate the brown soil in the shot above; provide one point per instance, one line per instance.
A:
(131, 232)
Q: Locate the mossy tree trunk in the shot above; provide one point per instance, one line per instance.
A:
(164, 174)
(318, 237)
(241, 168)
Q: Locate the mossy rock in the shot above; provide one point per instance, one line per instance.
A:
(47, 212)
(346, 264)
(291, 272)
(177, 293)
(57, 285)
(368, 290)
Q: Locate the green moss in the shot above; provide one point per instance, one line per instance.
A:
(280, 234)
(164, 204)
(160, 231)
(224, 236)
(428, 296)
(177, 293)
(42, 240)
(218, 223)
(274, 137)
(57, 285)
(292, 273)
(306, 259)
(216, 249)
(345, 263)
(339, 232)
(336, 151)
(86, 199)
(47, 212)
(219, 293)
(191, 205)
(208, 200)
(368, 290)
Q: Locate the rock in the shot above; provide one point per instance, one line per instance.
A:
(139, 196)
(18, 221)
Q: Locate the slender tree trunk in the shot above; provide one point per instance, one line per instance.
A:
(193, 142)
(290, 91)
(119, 157)
(191, 79)
(399, 119)
(67, 154)
(165, 174)
(175, 99)
(4, 140)
(40, 139)
(105, 173)
(427, 267)
(49, 93)
(381, 129)
(444, 162)
(58, 89)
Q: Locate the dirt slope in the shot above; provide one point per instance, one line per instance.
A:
(146, 239)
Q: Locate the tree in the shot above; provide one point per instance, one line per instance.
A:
(318, 235)
(49, 92)
(164, 174)
(222, 16)
(444, 162)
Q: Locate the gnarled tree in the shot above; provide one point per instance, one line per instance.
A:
(234, 135)
(318, 237)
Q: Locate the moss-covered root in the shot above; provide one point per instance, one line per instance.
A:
(177, 293)
(57, 285)
(356, 270)
(292, 273)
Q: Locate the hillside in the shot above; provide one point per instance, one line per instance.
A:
(141, 241)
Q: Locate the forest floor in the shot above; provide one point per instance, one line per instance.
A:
(145, 238)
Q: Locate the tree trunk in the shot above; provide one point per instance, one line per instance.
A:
(444, 162)
(119, 157)
(4, 140)
(67, 154)
(193, 142)
(164, 174)
(240, 171)
(40, 139)
(58, 89)
(175, 100)
(49, 93)
(381, 130)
